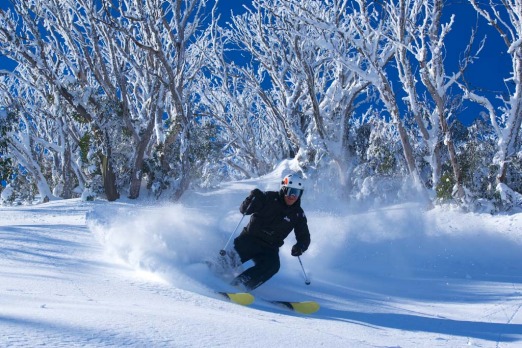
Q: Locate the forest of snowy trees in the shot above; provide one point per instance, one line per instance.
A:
(115, 97)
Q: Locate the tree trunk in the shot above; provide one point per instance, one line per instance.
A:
(68, 182)
(510, 146)
(184, 179)
(137, 168)
(109, 178)
(457, 174)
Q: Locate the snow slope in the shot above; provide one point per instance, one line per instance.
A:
(98, 274)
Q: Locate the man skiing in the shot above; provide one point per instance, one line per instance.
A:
(274, 215)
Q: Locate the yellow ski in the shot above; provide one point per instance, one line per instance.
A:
(242, 298)
(303, 307)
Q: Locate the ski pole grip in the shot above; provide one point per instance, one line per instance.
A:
(249, 205)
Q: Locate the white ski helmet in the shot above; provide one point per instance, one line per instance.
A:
(293, 181)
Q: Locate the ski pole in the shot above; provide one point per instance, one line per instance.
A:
(307, 281)
(223, 252)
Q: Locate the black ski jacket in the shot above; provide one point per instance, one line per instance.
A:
(272, 220)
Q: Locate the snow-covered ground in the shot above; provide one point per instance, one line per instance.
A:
(98, 274)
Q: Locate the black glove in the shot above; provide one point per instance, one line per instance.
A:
(255, 193)
(297, 250)
(251, 203)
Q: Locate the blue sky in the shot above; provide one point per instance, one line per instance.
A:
(494, 64)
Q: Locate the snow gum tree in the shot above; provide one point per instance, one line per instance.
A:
(108, 93)
(145, 68)
(281, 65)
(332, 87)
(307, 97)
(366, 32)
(506, 19)
(416, 31)
(39, 149)
(165, 31)
(358, 42)
(40, 37)
(120, 67)
(243, 120)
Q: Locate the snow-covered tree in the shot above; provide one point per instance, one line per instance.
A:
(506, 19)
(110, 92)
(335, 90)
(27, 142)
(307, 97)
(276, 73)
(165, 31)
(419, 37)
(245, 132)
(356, 38)
(40, 37)
(120, 67)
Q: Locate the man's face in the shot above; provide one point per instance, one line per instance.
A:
(291, 195)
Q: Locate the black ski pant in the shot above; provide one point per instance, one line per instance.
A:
(265, 258)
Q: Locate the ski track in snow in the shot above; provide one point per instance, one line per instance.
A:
(79, 274)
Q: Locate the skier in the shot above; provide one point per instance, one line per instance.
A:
(274, 215)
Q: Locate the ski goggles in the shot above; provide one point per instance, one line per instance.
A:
(292, 192)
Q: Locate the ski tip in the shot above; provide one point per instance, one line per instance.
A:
(242, 298)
